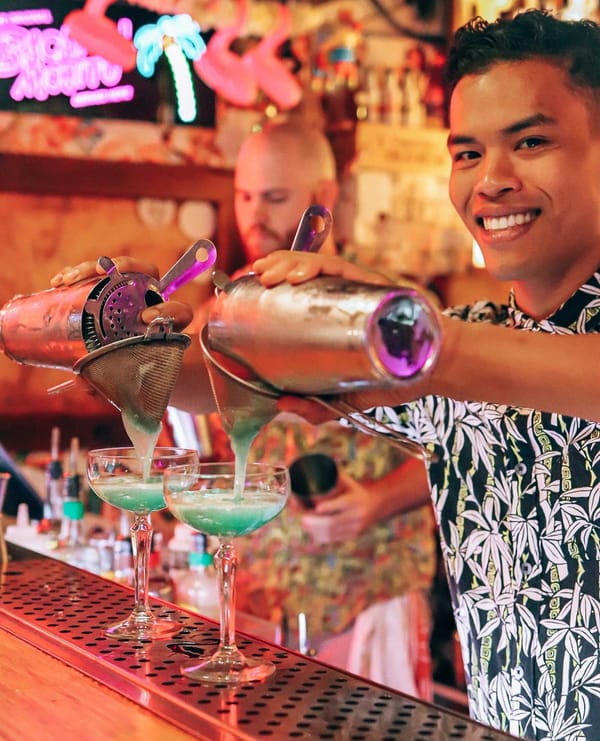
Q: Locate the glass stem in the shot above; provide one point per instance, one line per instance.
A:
(226, 564)
(141, 542)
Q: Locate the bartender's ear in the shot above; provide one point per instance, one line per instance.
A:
(326, 193)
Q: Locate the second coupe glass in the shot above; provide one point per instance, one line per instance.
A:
(214, 500)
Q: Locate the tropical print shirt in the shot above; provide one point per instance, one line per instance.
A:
(517, 499)
(283, 570)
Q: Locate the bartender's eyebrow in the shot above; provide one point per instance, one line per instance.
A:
(269, 193)
(538, 119)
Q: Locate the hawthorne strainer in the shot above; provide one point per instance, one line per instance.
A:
(138, 374)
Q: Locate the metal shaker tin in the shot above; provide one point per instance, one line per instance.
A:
(56, 327)
(326, 336)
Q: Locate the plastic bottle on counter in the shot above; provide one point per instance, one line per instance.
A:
(197, 590)
(178, 550)
(123, 560)
(24, 532)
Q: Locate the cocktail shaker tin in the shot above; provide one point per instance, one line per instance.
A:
(325, 336)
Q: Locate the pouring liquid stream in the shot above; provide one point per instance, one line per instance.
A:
(143, 440)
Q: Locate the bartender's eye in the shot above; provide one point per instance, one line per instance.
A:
(531, 142)
(465, 155)
(277, 196)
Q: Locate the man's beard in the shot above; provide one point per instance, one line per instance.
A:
(259, 241)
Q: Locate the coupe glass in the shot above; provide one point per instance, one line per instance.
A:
(120, 477)
(211, 499)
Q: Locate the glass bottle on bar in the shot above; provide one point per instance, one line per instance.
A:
(197, 590)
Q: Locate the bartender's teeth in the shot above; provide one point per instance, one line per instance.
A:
(505, 222)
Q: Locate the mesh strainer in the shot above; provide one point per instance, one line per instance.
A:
(244, 405)
(245, 399)
(138, 374)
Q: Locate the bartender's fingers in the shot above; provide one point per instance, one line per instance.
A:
(298, 267)
(337, 522)
(72, 273)
(282, 265)
(354, 507)
(181, 313)
(89, 268)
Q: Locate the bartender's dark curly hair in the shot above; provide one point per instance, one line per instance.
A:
(532, 34)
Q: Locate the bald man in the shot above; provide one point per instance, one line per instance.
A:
(280, 171)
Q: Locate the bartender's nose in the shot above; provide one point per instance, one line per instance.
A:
(261, 208)
(496, 175)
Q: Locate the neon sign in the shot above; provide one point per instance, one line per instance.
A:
(47, 62)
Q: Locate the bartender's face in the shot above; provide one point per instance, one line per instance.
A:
(271, 194)
(525, 175)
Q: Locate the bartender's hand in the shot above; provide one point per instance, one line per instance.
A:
(72, 273)
(182, 313)
(344, 516)
(298, 267)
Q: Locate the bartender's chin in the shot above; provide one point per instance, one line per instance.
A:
(256, 248)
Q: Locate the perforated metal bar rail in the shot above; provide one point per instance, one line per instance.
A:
(61, 610)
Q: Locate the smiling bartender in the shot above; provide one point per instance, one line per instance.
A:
(513, 415)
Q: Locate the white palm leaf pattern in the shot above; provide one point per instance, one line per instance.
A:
(517, 499)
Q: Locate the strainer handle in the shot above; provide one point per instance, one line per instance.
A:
(194, 261)
(307, 238)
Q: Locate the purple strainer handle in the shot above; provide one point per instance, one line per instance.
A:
(198, 258)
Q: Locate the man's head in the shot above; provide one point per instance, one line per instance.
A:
(280, 171)
(525, 147)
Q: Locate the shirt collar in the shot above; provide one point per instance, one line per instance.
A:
(580, 313)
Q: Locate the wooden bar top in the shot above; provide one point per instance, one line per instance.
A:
(44, 699)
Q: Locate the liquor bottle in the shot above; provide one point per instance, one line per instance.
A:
(72, 546)
(198, 590)
(73, 508)
(53, 485)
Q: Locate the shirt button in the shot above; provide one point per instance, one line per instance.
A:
(521, 469)
(527, 568)
(518, 672)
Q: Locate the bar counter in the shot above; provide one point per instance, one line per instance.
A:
(61, 677)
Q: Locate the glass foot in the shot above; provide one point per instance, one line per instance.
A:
(144, 628)
(226, 669)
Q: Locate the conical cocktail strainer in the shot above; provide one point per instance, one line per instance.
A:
(248, 401)
(243, 404)
(138, 374)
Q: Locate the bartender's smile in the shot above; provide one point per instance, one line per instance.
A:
(495, 223)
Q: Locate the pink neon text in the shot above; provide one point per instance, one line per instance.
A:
(47, 62)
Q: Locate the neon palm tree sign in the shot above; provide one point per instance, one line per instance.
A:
(178, 37)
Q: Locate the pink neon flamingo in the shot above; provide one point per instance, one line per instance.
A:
(99, 35)
(223, 70)
(272, 76)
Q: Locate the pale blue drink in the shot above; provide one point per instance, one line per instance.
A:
(131, 493)
(221, 512)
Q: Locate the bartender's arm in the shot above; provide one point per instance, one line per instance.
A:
(477, 361)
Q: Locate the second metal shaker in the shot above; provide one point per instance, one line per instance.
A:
(326, 336)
